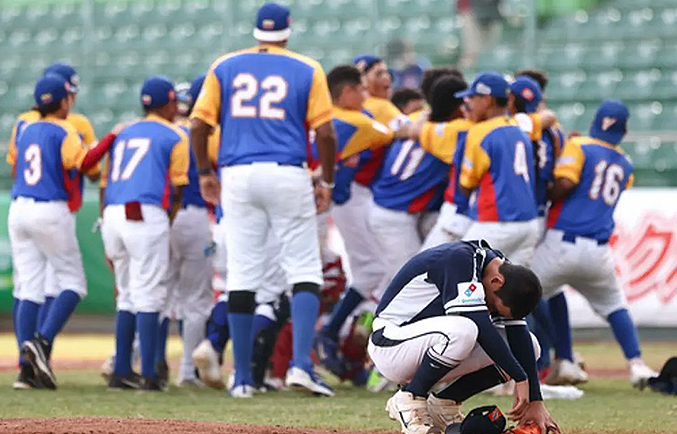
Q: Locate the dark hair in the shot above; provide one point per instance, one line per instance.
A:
(49, 108)
(432, 74)
(537, 74)
(443, 103)
(501, 101)
(520, 103)
(402, 96)
(341, 76)
(521, 291)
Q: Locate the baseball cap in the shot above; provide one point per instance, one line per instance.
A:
(49, 89)
(196, 86)
(67, 72)
(610, 122)
(272, 23)
(528, 90)
(487, 83)
(157, 91)
(481, 420)
(364, 62)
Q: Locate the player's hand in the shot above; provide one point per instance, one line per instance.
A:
(322, 198)
(537, 414)
(210, 188)
(520, 400)
(119, 127)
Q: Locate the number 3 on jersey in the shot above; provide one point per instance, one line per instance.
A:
(274, 90)
(140, 147)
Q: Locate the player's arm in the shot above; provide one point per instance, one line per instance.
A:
(11, 150)
(179, 161)
(86, 130)
(521, 345)
(475, 164)
(204, 118)
(370, 134)
(74, 156)
(567, 172)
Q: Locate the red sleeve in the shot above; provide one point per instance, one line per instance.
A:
(97, 152)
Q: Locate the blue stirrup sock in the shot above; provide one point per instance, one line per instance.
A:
(217, 326)
(163, 334)
(305, 307)
(241, 306)
(625, 332)
(125, 327)
(559, 313)
(350, 300)
(27, 323)
(44, 311)
(148, 325)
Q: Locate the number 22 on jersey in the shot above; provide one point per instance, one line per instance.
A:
(139, 146)
(274, 90)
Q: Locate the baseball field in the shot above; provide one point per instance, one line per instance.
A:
(82, 404)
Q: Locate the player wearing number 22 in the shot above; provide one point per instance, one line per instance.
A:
(498, 164)
(266, 99)
(590, 176)
(147, 167)
(41, 227)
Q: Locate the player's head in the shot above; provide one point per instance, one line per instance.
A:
(537, 74)
(512, 291)
(68, 73)
(444, 105)
(432, 74)
(158, 96)
(183, 99)
(376, 72)
(408, 100)
(346, 87)
(487, 96)
(611, 121)
(272, 24)
(525, 95)
(194, 90)
(51, 96)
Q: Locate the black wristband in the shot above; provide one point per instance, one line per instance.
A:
(202, 172)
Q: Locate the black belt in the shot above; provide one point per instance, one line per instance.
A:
(568, 237)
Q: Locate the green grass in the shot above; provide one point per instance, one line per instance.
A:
(609, 406)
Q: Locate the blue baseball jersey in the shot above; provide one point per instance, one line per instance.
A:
(191, 192)
(265, 99)
(412, 179)
(498, 162)
(44, 152)
(147, 158)
(601, 171)
(546, 151)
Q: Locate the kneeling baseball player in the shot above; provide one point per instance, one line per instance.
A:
(446, 316)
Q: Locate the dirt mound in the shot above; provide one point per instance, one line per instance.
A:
(105, 425)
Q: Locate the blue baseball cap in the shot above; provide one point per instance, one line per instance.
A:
(67, 72)
(51, 88)
(195, 87)
(272, 23)
(610, 122)
(528, 90)
(487, 83)
(364, 62)
(157, 91)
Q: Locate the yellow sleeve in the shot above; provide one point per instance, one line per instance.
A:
(570, 163)
(208, 105)
(213, 144)
(84, 128)
(475, 162)
(369, 135)
(631, 181)
(72, 151)
(319, 102)
(179, 162)
(537, 127)
(104, 172)
(439, 139)
(11, 151)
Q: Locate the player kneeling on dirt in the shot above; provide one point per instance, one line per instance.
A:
(434, 325)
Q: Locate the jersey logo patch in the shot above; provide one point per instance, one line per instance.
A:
(470, 290)
(470, 293)
(607, 122)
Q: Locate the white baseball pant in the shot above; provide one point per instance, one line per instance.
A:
(452, 338)
(139, 251)
(450, 227)
(274, 279)
(260, 198)
(43, 233)
(585, 265)
(220, 260)
(365, 257)
(517, 240)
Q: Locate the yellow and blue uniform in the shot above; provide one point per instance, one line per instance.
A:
(386, 113)
(601, 171)
(147, 158)
(546, 153)
(412, 179)
(44, 153)
(498, 161)
(191, 192)
(265, 99)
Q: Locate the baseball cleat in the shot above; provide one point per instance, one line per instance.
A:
(412, 414)
(151, 385)
(26, 379)
(298, 378)
(242, 391)
(131, 381)
(162, 372)
(107, 368)
(565, 372)
(206, 361)
(444, 412)
(640, 373)
(35, 352)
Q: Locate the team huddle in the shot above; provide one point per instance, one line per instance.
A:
(463, 210)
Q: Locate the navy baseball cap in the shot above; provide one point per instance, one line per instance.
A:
(364, 62)
(51, 88)
(272, 23)
(528, 90)
(157, 91)
(196, 86)
(610, 122)
(487, 83)
(481, 420)
(67, 72)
